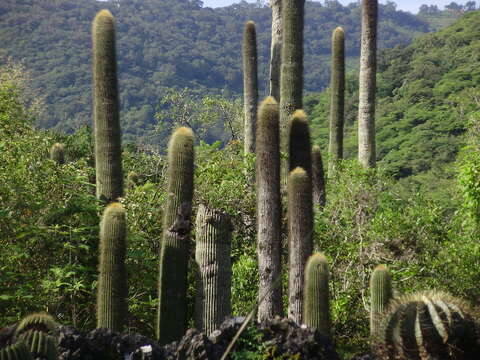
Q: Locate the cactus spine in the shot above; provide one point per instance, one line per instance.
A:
(172, 283)
(428, 325)
(250, 85)
(367, 84)
(106, 123)
(300, 239)
(291, 78)
(276, 49)
(112, 289)
(337, 103)
(269, 210)
(41, 321)
(57, 153)
(299, 150)
(318, 178)
(212, 255)
(380, 296)
(317, 300)
(17, 351)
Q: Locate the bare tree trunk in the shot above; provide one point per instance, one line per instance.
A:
(367, 84)
(276, 49)
(250, 86)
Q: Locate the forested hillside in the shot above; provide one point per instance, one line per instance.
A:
(167, 43)
(427, 93)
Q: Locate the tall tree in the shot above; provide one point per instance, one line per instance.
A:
(250, 85)
(337, 103)
(276, 48)
(367, 84)
(291, 78)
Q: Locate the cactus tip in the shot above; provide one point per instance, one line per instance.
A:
(298, 172)
(183, 131)
(104, 13)
(299, 115)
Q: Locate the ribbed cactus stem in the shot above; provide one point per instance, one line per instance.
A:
(57, 153)
(17, 351)
(250, 85)
(212, 255)
(291, 78)
(380, 296)
(299, 149)
(337, 102)
(367, 84)
(40, 344)
(317, 299)
(318, 178)
(112, 289)
(300, 238)
(428, 325)
(108, 162)
(172, 283)
(269, 210)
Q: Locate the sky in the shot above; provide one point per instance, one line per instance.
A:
(405, 5)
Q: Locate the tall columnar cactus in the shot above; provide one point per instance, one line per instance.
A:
(269, 210)
(57, 153)
(337, 103)
(276, 49)
(428, 325)
(108, 162)
(316, 308)
(212, 255)
(380, 297)
(300, 237)
(299, 149)
(367, 84)
(172, 283)
(112, 289)
(318, 178)
(40, 344)
(250, 85)
(17, 351)
(291, 77)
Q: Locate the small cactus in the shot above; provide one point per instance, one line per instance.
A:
(300, 237)
(428, 325)
(172, 283)
(316, 308)
(57, 153)
(212, 255)
(380, 296)
(108, 153)
(112, 289)
(17, 351)
(132, 180)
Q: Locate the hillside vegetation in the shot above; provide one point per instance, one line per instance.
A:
(427, 93)
(163, 44)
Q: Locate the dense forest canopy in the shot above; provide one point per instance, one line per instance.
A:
(168, 43)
